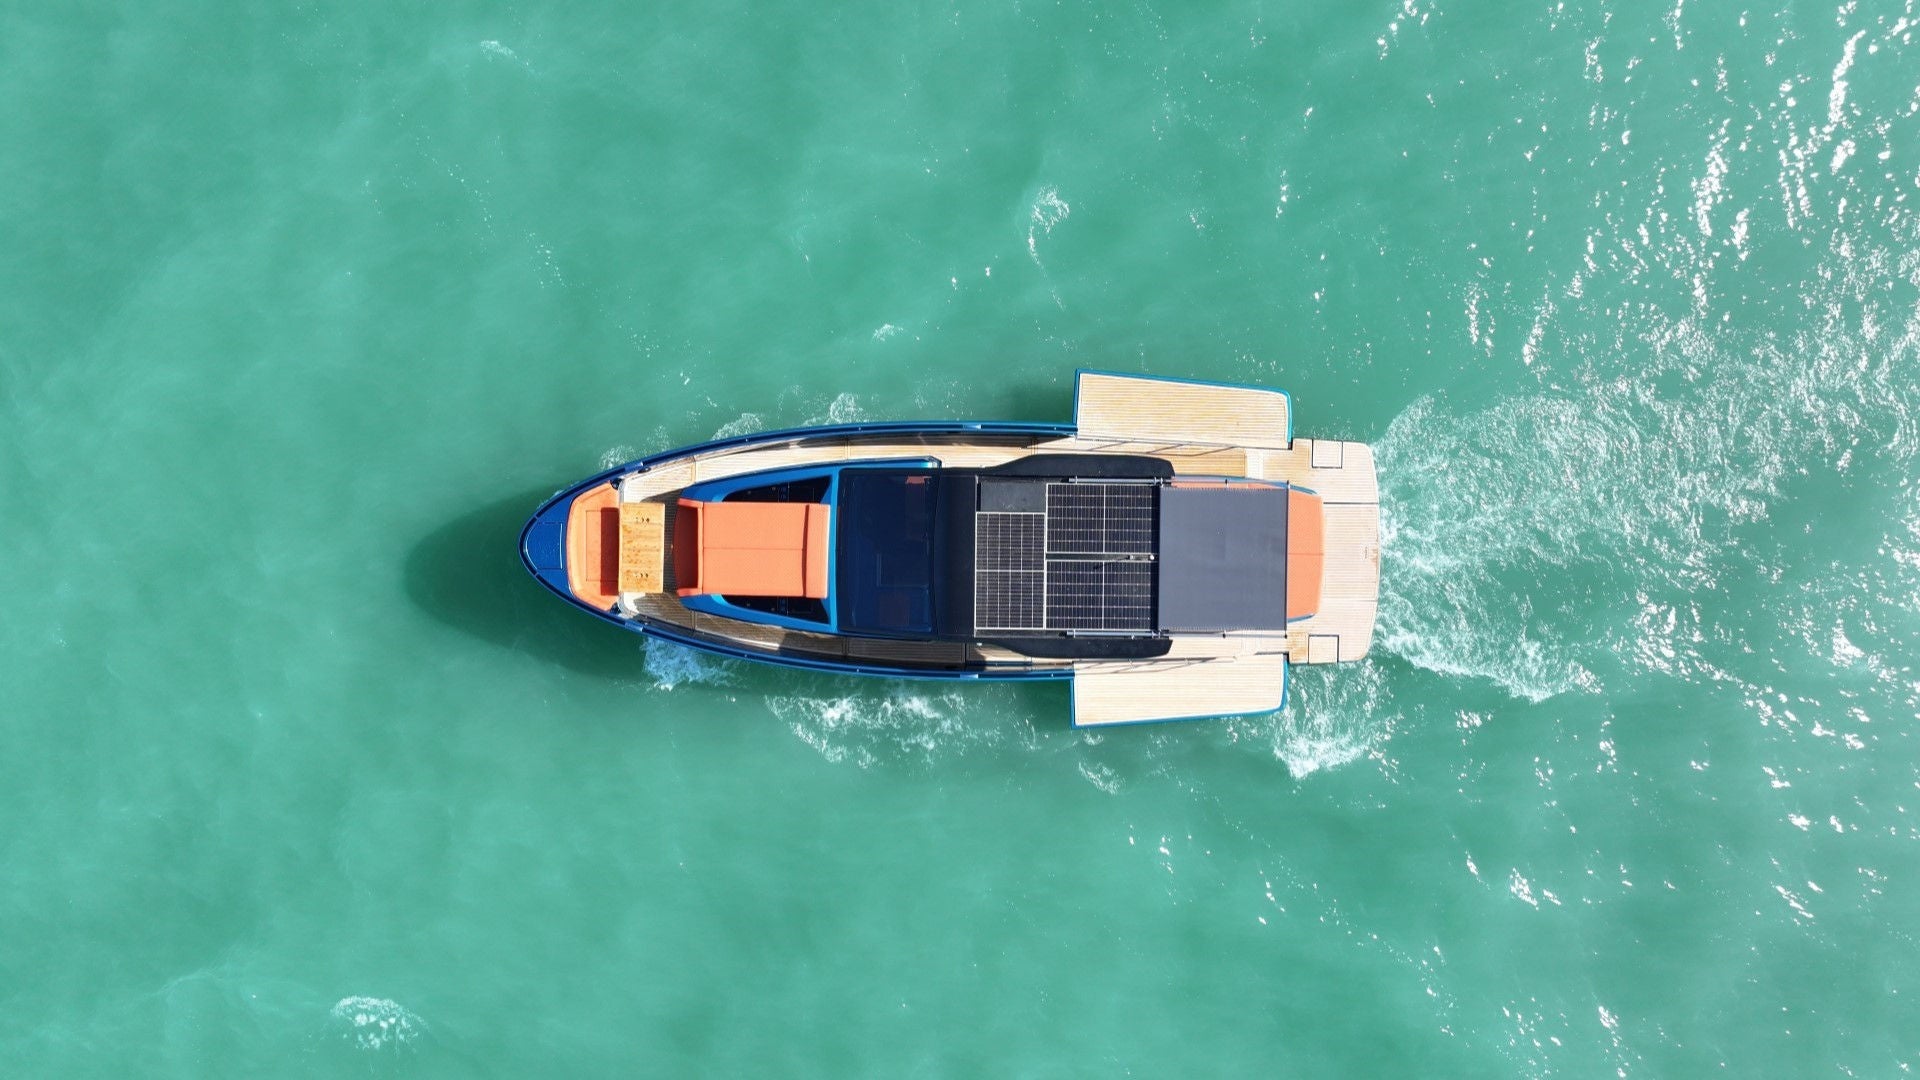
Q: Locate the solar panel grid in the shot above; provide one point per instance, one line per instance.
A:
(1073, 595)
(1007, 541)
(1100, 519)
(1126, 595)
(1009, 583)
(1086, 564)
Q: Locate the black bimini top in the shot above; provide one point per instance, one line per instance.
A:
(1093, 555)
(1223, 558)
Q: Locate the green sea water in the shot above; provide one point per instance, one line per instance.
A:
(304, 307)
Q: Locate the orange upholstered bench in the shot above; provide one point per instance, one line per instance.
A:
(593, 546)
(751, 548)
(1306, 553)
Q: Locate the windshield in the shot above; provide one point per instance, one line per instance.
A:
(884, 551)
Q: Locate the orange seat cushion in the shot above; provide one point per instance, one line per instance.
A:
(1306, 553)
(593, 546)
(751, 548)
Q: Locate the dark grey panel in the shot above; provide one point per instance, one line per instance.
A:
(1013, 496)
(1223, 558)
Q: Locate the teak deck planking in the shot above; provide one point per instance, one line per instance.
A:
(1113, 692)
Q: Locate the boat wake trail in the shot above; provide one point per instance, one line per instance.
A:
(1048, 210)
(670, 665)
(1334, 716)
(1531, 542)
(876, 723)
(1678, 399)
(1477, 514)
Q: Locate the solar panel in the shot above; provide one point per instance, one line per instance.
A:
(1009, 571)
(1111, 594)
(1084, 564)
(1100, 519)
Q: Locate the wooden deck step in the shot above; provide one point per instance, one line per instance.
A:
(643, 547)
(1131, 692)
(1135, 409)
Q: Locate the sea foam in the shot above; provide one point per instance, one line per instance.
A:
(1641, 459)
(1334, 716)
(374, 1023)
(670, 665)
(1048, 209)
(874, 723)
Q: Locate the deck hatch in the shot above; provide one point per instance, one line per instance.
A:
(1085, 563)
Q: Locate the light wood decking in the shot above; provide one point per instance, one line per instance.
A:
(1129, 407)
(1343, 474)
(643, 547)
(1109, 692)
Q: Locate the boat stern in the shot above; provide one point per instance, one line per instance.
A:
(1333, 553)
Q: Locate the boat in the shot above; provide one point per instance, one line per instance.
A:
(1171, 551)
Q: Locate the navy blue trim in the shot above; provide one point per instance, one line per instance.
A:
(922, 427)
(838, 667)
(719, 490)
(543, 545)
(1171, 379)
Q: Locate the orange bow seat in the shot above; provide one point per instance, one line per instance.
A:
(593, 546)
(751, 549)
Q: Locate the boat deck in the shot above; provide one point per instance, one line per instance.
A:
(1202, 430)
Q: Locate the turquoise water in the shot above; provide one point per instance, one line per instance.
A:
(302, 311)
